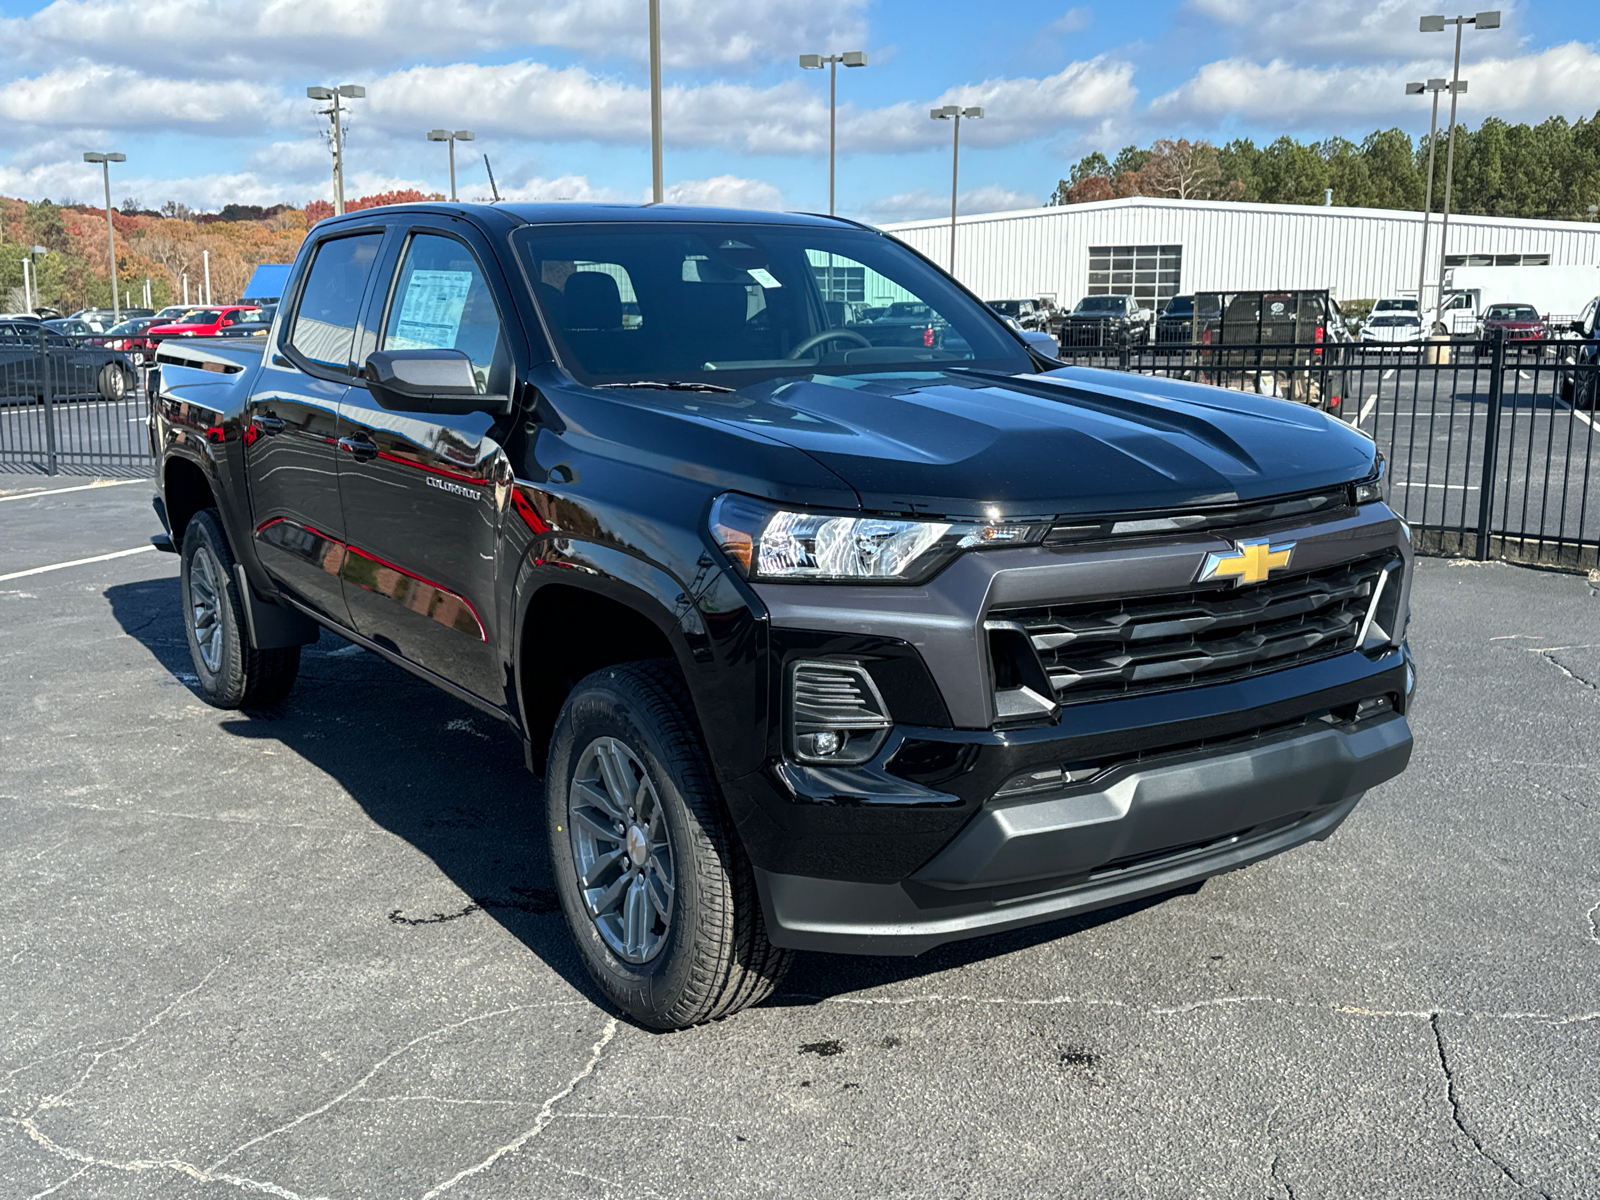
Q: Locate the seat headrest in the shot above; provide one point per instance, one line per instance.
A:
(593, 301)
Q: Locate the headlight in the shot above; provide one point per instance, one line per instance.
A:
(766, 542)
(1374, 487)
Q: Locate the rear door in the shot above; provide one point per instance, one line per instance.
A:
(291, 460)
(420, 489)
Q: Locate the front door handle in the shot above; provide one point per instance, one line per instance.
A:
(362, 449)
(268, 423)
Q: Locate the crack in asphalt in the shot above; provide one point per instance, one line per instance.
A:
(1549, 653)
(1455, 1115)
(546, 1115)
(1288, 1187)
(1594, 923)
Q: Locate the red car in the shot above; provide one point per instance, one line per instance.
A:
(203, 322)
(130, 337)
(1520, 321)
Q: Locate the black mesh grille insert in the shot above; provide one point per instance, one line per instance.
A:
(1103, 648)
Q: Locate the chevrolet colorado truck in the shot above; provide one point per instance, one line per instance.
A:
(819, 638)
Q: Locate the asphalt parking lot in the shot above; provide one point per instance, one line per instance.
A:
(313, 952)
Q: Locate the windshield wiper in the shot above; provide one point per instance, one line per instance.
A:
(669, 385)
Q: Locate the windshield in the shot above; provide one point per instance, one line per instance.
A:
(1102, 304)
(1179, 306)
(1395, 306)
(202, 317)
(1512, 312)
(129, 327)
(733, 304)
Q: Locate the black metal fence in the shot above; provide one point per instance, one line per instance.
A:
(69, 406)
(1493, 446)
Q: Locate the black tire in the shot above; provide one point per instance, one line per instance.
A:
(113, 383)
(237, 675)
(713, 957)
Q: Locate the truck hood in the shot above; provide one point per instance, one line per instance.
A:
(1074, 440)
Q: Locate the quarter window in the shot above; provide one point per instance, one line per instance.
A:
(441, 302)
(330, 303)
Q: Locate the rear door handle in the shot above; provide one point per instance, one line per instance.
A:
(268, 423)
(359, 448)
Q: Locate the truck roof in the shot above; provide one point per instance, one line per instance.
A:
(568, 212)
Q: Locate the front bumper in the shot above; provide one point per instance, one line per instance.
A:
(1139, 831)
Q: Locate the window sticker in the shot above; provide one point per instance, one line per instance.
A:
(430, 313)
(764, 277)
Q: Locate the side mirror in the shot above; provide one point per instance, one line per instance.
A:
(437, 381)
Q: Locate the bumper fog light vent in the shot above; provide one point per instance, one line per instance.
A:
(1047, 779)
(836, 714)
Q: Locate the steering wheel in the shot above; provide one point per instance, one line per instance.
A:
(827, 335)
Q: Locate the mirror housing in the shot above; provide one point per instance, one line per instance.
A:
(436, 381)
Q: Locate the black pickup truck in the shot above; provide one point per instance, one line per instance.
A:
(819, 639)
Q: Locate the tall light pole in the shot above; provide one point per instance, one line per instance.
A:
(813, 62)
(345, 91)
(658, 189)
(954, 112)
(105, 161)
(1416, 89)
(1483, 20)
(446, 135)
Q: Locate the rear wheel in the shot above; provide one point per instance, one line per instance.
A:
(654, 883)
(113, 382)
(231, 673)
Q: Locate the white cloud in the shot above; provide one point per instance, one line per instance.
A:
(1323, 30)
(227, 38)
(116, 97)
(725, 191)
(923, 203)
(1564, 79)
(1074, 20)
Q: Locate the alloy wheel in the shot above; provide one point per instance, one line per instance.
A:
(205, 608)
(621, 849)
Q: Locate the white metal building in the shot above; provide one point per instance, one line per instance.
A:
(1155, 248)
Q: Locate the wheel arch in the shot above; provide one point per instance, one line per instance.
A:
(187, 489)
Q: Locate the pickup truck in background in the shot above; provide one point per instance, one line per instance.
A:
(821, 637)
(1274, 343)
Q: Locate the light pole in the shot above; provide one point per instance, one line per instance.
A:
(658, 189)
(813, 62)
(1483, 20)
(1416, 89)
(948, 113)
(445, 135)
(345, 91)
(105, 161)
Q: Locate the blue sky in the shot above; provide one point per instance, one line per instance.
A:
(206, 97)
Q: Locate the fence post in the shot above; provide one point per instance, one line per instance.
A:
(1124, 351)
(45, 400)
(1491, 440)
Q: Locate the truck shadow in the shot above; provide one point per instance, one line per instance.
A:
(450, 780)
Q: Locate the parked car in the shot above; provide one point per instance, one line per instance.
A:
(1579, 383)
(1176, 323)
(203, 322)
(71, 327)
(1106, 321)
(101, 319)
(35, 360)
(1519, 322)
(257, 323)
(174, 312)
(129, 337)
(1394, 320)
(821, 640)
(1275, 343)
(1028, 314)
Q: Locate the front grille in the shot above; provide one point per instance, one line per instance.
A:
(1107, 648)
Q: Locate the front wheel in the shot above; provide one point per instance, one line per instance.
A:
(654, 883)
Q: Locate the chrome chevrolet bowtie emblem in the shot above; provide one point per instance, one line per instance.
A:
(1247, 562)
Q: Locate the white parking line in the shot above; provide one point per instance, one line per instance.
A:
(1366, 409)
(1589, 421)
(87, 487)
(1389, 374)
(77, 562)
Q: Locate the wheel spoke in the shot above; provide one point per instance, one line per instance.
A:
(602, 864)
(615, 773)
(637, 916)
(598, 797)
(596, 826)
(608, 899)
(660, 893)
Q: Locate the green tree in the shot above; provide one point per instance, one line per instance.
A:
(1349, 174)
(1392, 169)
(1129, 160)
(44, 227)
(1237, 163)
(1290, 172)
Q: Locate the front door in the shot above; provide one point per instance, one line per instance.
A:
(420, 489)
(291, 456)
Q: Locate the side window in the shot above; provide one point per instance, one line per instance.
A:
(325, 322)
(441, 302)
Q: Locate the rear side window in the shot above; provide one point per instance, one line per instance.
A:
(441, 302)
(330, 303)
